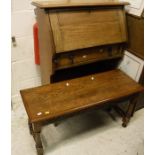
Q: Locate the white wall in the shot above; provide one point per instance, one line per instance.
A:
(25, 73)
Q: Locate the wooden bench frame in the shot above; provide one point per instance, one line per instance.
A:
(35, 128)
(35, 125)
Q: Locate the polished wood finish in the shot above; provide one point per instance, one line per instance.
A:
(68, 4)
(65, 97)
(51, 102)
(136, 35)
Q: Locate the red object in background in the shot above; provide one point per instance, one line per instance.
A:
(36, 44)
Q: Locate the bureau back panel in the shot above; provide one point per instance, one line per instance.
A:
(74, 29)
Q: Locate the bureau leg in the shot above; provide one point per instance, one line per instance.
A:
(37, 138)
(130, 111)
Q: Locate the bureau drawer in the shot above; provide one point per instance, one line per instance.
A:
(96, 54)
(86, 56)
(63, 60)
(92, 55)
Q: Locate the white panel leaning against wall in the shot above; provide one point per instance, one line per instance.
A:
(135, 8)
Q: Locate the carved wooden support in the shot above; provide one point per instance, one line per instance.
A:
(130, 110)
(30, 127)
(36, 134)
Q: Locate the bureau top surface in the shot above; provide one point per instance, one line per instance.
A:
(66, 3)
(57, 99)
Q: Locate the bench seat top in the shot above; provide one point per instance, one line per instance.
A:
(57, 99)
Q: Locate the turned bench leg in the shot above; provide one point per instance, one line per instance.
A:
(36, 134)
(130, 110)
(39, 146)
(30, 127)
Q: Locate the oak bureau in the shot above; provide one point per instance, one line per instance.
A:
(77, 33)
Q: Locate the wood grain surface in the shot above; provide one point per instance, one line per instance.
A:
(74, 29)
(57, 99)
(63, 3)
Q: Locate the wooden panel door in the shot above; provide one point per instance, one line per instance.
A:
(77, 29)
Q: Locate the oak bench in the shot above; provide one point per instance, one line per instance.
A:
(48, 103)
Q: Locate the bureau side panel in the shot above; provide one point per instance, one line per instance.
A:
(46, 45)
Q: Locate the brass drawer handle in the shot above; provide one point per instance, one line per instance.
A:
(84, 56)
